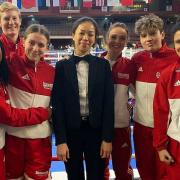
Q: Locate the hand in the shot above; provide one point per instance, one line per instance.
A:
(165, 157)
(63, 152)
(49, 112)
(106, 149)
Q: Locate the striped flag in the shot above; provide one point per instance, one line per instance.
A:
(99, 2)
(16, 3)
(126, 2)
(56, 3)
(44, 4)
(77, 3)
(87, 3)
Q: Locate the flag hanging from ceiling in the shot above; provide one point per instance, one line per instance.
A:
(87, 3)
(16, 3)
(56, 3)
(63, 3)
(29, 6)
(43, 4)
(76, 3)
(126, 2)
(113, 3)
(48, 3)
(99, 2)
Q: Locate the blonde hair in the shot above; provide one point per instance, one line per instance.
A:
(7, 6)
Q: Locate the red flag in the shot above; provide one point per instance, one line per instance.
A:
(63, 3)
(28, 4)
(87, 3)
(126, 2)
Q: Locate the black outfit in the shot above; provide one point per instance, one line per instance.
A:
(83, 137)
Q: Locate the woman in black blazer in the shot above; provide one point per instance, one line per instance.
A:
(83, 107)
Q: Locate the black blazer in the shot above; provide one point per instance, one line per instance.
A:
(65, 98)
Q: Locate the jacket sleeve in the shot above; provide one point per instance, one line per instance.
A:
(58, 118)
(21, 117)
(108, 110)
(161, 115)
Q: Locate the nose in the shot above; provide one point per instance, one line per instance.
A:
(149, 37)
(85, 36)
(35, 47)
(11, 21)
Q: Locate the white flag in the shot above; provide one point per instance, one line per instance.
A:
(56, 3)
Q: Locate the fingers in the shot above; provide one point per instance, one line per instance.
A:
(105, 154)
(63, 152)
(168, 159)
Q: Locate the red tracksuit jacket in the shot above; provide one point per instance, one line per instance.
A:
(167, 107)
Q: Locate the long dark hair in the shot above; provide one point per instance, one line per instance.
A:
(3, 67)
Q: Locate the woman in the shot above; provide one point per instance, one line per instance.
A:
(14, 117)
(29, 86)
(167, 112)
(82, 100)
(122, 72)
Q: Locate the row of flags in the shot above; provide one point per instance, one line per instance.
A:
(34, 5)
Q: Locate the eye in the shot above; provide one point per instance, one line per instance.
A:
(32, 43)
(6, 18)
(15, 18)
(143, 35)
(41, 45)
(113, 37)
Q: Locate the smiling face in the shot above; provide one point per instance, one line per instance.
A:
(35, 45)
(177, 42)
(84, 38)
(116, 40)
(152, 41)
(10, 23)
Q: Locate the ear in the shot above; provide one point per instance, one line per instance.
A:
(73, 36)
(23, 40)
(163, 35)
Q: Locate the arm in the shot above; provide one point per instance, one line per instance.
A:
(21, 117)
(161, 120)
(108, 114)
(58, 118)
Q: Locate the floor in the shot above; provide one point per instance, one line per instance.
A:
(58, 169)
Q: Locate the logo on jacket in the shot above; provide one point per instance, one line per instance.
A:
(123, 76)
(177, 83)
(158, 74)
(140, 69)
(26, 77)
(47, 85)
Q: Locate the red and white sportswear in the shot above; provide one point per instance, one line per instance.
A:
(149, 67)
(17, 117)
(30, 85)
(123, 76)
(167, 107)
(10, 47)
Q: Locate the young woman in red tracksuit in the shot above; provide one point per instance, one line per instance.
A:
(122, 71)
(29, 86)
(149, 63)
(167, 113)
(14, 117)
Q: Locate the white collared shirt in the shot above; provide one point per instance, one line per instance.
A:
(82, 69)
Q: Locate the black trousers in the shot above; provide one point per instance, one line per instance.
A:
(84, 143)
